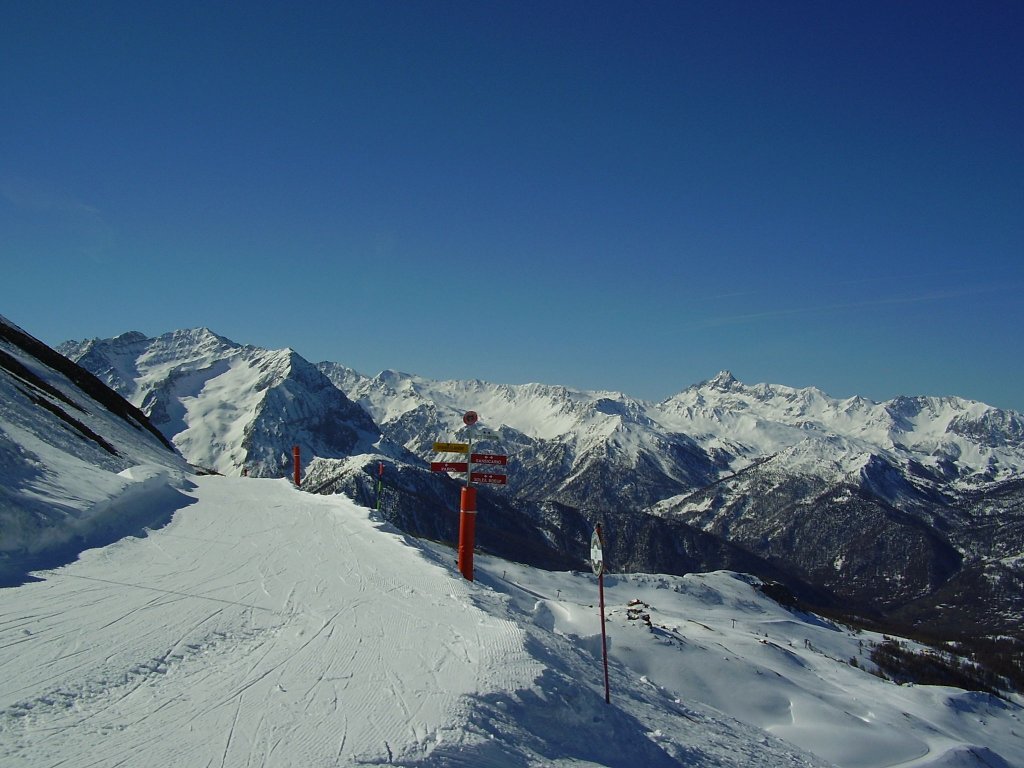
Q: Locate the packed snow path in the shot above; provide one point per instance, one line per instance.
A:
(258, 620)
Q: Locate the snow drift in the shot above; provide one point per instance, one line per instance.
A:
(75, 460)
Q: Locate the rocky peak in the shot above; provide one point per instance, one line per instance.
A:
(724, 381)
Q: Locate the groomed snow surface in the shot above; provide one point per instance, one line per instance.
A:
(263, 626)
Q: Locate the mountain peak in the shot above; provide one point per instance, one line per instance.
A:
(724, 381)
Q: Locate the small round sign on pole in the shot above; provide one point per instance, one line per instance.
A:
(597, 552)
(470, 418)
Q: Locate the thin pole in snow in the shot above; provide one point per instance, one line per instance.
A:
(597, 563)
(380, 480)
(604, 641)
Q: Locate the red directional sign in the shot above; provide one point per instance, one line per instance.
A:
(487, 477)
(494, 459)
(448, 466)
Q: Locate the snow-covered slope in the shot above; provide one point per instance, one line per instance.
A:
(226, 406)
(69, 449)
(266, 626)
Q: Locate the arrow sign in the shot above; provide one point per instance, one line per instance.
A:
(449, 466)
(494, 459)
(478, 433)
(451, 447)
(487, 477)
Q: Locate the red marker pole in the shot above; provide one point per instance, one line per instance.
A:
(380, 481)
(597, 563)
(467, 531)
(604, 640)
(298, 465)
(467, 506)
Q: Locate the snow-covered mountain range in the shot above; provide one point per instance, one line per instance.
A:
(869, 507)
(248, 622)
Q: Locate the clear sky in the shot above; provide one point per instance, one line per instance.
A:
(627, 196)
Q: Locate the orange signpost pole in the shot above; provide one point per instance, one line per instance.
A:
(298, 465)
(467, 531)
(467, 508)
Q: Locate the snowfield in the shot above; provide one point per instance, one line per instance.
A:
(263, 626)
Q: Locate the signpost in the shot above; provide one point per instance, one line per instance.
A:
(481, 433)
(494, 459)
(597, 563)
(467, 502)
(449, 466)
(451, 447)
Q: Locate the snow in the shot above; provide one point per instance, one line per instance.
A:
(258, 619)
(58, 483)
(770, 418)
(820, 435)
(225, 406)
(216, 414)
(544, 412)
(266, 626)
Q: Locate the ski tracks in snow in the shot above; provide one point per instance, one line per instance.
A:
(261, 627)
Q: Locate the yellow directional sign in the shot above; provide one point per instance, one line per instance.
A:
(452, 447)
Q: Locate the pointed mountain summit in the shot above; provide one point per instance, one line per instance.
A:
(724, 381)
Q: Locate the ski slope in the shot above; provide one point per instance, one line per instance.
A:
(263, 626)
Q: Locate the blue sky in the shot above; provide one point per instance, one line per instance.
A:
(626, 196)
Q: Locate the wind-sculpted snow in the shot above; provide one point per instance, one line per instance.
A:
(105, 508)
